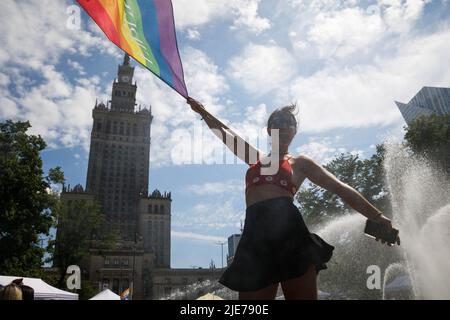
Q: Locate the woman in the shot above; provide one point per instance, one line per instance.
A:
(276, 246)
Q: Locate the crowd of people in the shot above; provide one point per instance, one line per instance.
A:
(16, 290)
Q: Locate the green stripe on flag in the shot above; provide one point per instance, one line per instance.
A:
(133, 18)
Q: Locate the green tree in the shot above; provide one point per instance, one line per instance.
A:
(87, 291)
(26, 200)
(318, 206)
(430, 136)
(78, 222)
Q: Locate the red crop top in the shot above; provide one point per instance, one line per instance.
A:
(282, 179)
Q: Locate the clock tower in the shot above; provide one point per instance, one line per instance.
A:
(123, 90)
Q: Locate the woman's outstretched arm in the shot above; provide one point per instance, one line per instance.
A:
(323, 178)
(227, 135)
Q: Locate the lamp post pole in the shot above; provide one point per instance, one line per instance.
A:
(134, 261)
(221, 244)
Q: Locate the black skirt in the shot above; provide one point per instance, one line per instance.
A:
(275, 246)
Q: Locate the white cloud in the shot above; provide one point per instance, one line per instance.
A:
(400, 16)
(196, 13)
(339, 95)
(62, 116)
(189, 13)
(212, 188)
(35, 37)
(341, 33)
(253, 126)
(4, 80)
(210, 215)
(336, 30)
(9, 108)
(363, 95)
(322, 150)
(247, 16)
(203, 78)
(193, 34)
(196, 236)
(261, 69)
(34, 33)
(174, 120)
(76, 66)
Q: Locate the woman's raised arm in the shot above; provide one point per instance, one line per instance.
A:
(227, 135)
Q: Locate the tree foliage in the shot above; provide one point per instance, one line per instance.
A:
(25, 199)
(78, 222)
(430, 136)
(318, 205)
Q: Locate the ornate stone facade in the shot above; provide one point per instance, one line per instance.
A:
(118, 178)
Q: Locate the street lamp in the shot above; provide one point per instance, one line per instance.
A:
(221, 244)
(134, 261)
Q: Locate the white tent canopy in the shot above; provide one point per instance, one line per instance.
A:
(106, 295)
(42, 290)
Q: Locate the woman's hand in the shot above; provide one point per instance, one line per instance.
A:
(196, 106)
(388, 223)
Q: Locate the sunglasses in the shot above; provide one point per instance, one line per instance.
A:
(282, 123)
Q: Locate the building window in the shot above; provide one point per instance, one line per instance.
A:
(156, 208)
(167, 291)
(161, 209)
(149, 208)
(116, 262)
(125, 262)
(106, 262)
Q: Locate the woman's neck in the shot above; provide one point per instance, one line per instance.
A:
(281, 153)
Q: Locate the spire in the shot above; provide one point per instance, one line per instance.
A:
(126, 60)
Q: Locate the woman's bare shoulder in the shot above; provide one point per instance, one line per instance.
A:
(302, 162)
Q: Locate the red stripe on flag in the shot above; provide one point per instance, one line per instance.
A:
(98, 13)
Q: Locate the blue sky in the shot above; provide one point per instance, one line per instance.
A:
(343, 62)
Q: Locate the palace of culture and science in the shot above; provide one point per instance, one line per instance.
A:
(118, 179)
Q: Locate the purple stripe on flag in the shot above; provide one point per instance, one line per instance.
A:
(168, 43)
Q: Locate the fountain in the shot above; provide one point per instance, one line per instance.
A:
(420, 196)
(197, 289)
(418, 269)
(421, 206)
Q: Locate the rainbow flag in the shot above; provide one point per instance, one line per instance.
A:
(125, 294)
(145, 29)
